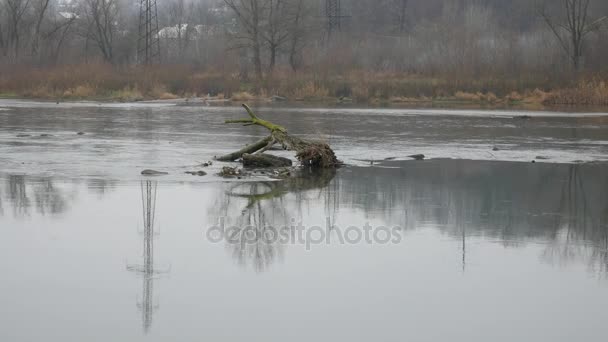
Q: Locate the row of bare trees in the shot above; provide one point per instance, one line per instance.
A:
(405, 35)
(428, 35)
(26, 28)
(36, 30)
(277, 25)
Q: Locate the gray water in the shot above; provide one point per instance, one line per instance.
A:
(485, 246)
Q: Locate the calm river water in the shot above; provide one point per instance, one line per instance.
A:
(485, 246)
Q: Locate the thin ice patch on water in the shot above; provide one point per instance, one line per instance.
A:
(498, 113)
(80, 104)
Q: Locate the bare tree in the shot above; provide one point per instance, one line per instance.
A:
(276, 31)
(60, 31)
(296, 35)
(40, 10)
(249, 14)
(180, 17)
(15, 11)
(572, 31)
(101, 16)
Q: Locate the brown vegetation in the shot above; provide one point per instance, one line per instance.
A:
(106, 82)
(593, 93)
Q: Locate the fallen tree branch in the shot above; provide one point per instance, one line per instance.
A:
(313, 154)
(257, 121)
(249, 149)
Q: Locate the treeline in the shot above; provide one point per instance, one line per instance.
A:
(527, 44)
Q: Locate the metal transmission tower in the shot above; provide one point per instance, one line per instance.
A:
(148, 42)
(334, 15)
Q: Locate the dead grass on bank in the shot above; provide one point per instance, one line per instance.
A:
(243, 96)
(102, 81)
(591, 93)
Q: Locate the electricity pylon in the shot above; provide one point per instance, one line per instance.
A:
(148, 41)
(334, 16)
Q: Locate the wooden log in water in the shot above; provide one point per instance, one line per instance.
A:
(249, 149)
(265, 160)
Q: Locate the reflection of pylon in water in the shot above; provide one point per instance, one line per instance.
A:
(147, 270)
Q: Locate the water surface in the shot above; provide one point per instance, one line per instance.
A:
(488, 249)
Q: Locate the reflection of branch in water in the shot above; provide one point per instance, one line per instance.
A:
(147, 269)
(253, 239)
(263, 203)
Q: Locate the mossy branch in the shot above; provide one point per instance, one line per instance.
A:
(257, 121)
(311, 154)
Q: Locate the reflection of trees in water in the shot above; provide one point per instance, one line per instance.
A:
(583, 234)
(564, 205)
(101, 186)
(1, 206)
(48, 198)
(17, 195)
(561, 205)
(265, 212)
(24, 193)
(43, 194)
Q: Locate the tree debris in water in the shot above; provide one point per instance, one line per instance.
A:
(263, 160)
(153, 173)
(308, 153)
(197, 173)
(417, 156)
(231, 172)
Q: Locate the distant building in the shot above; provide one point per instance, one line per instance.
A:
(187, 31)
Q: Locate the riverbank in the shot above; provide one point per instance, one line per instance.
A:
(101, 82)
